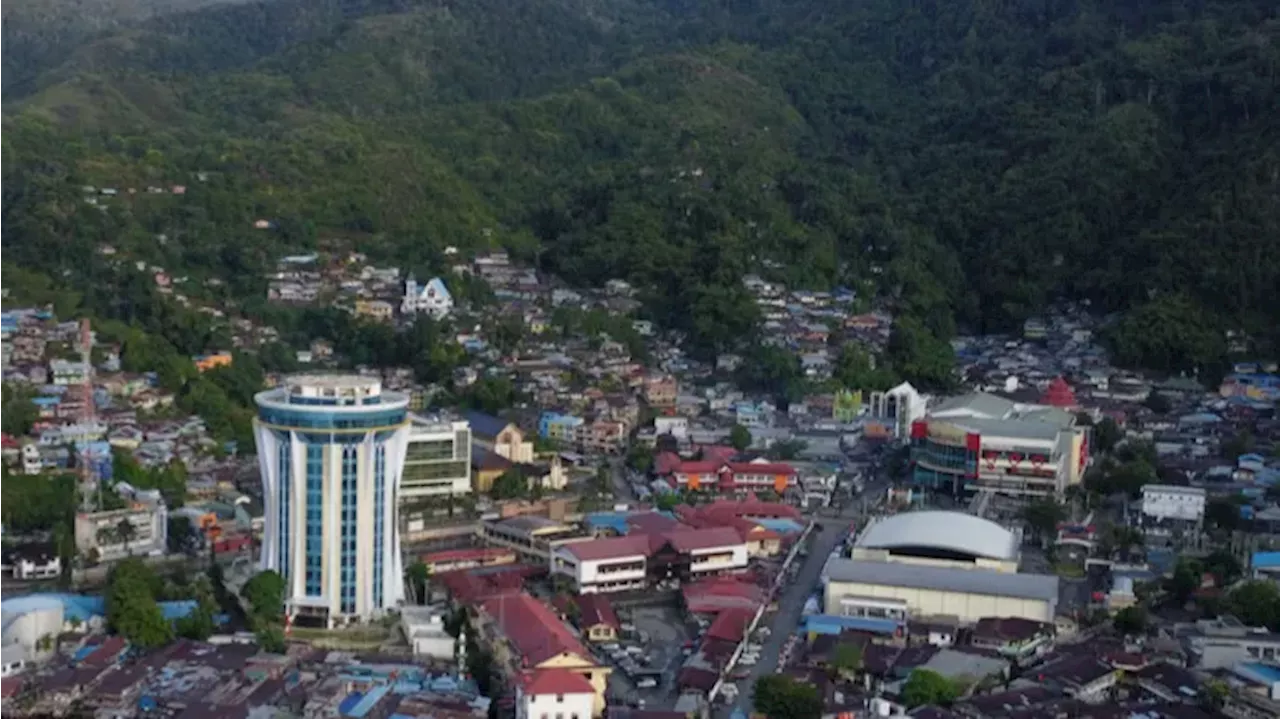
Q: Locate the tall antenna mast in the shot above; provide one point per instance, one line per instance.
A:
(88, 413)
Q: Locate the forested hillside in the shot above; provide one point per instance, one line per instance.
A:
(971, 160)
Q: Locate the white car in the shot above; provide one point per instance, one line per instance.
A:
(646, 683)
(748, 661)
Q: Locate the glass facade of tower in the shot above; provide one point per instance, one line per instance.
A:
(331, 449)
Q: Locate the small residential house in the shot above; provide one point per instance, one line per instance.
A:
(596, 618)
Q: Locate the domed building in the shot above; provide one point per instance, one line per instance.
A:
(926, 565)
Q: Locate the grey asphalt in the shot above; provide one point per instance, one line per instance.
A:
(790, 607)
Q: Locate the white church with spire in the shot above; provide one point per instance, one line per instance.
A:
(432, 299)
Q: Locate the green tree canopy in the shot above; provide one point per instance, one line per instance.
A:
(1131, 620)
(925, 687)
(1171, 333)
(265, 593)
(510, 485)
(919, 356)
(856, 369)
(781, 697)
(131, 606)
(1256, 603)
(740, 437)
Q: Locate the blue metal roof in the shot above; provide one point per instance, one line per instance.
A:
(833, 624)
(485, 425)
(1265, 560)
(617, 521)
(1270, 673)
(783, 526)
(349, 703)
(368, 701)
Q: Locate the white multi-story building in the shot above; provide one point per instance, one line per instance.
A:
(1167, 501)
(677, 427)
(634, 561)
(66, 372)
(899, 408)
(438, 460)
(554, 694)
(331, 449)
(105, 533)
(432, 299)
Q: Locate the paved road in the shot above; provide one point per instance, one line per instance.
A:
(791, 604)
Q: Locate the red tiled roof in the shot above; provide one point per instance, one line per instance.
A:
(470, 586)
(719, 453)
(533, 630)
(761, 468)
(651, 522)
(596, 610)
(555, 681)
(666, 463)
(698, 467)
(610, 548)
(106, 653)
(704, 466)
(682, 539)
(689, 540)
(730, 625)
(9, 686)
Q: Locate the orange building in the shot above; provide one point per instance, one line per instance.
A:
(204, 363)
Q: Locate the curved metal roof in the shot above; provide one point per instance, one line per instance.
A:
(951, 531)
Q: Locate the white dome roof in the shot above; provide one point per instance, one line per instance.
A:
(950, 531)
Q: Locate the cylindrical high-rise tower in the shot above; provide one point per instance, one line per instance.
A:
(331, 448)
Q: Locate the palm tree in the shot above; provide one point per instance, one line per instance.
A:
(127, 533)
(107, 536)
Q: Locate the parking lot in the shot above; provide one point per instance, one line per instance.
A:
(647, 657)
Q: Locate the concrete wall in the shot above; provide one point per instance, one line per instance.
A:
(969, 608)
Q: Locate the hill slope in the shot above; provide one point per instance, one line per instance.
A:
(990, 157)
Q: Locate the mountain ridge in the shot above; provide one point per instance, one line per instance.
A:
(987, 159)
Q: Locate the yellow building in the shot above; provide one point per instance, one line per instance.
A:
(375, 309)
(525, 634)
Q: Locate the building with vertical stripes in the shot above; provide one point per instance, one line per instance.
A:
(331, 449)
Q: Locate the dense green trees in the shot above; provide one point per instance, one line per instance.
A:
(171, 480)
(782, 697)
(966, 161)
(925, 687)
(1256, 603)
(1131, 620)
(265, 594)
(132, 609)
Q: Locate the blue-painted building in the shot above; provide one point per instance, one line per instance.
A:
(558, 427)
